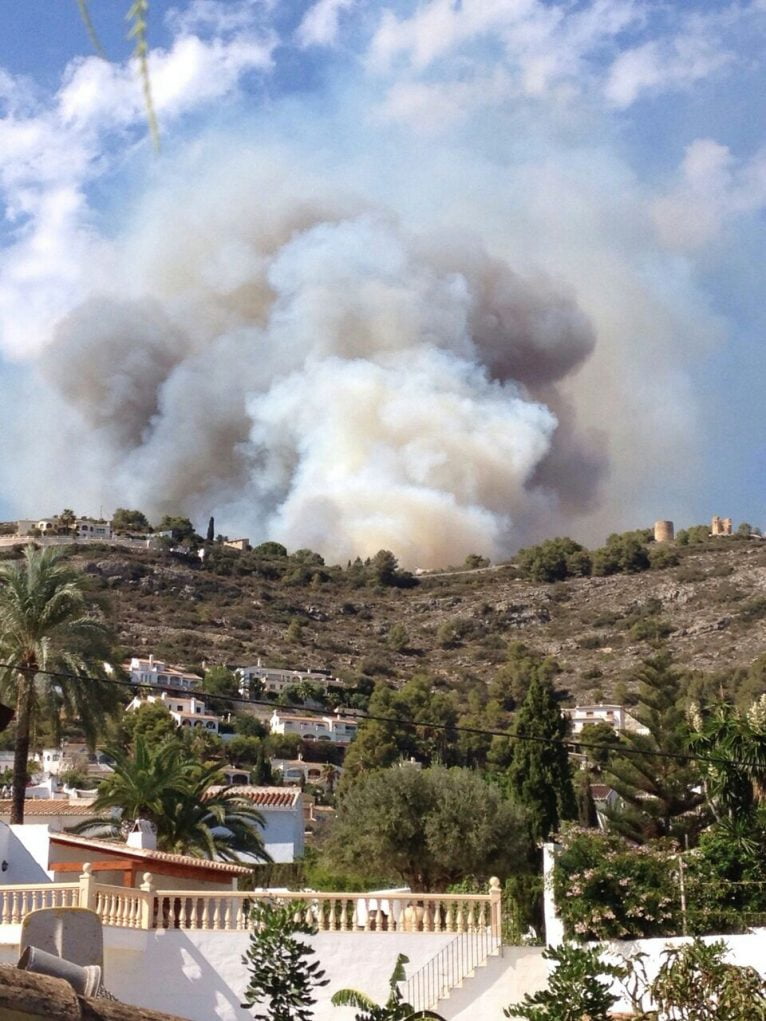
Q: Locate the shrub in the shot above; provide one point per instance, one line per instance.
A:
(575, 989)
(606, 888)
(281, 977)
(753, 610)
(662, 557)
(695, 983)
(550, 561)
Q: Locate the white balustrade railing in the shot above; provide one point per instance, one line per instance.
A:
(145, 907)
(18, 901)
(117, 905)
(336, 912)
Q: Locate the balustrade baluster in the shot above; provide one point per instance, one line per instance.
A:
(450, 920)
(471, 917)
(344, 914)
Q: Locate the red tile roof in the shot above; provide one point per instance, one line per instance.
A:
(266, 797)
(117, 848)
(600, 791)
(48, 806)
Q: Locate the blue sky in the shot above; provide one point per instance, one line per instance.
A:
(438, 277)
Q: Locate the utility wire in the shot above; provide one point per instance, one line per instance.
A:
(571, 743)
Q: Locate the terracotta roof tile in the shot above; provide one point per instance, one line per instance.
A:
(600, 791)
(49, 806)
(115, 847)
(266, 797)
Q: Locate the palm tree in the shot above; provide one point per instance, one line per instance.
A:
(211, 820)
(138, 785)
(192, 812)
(53, 654)
(734, 743)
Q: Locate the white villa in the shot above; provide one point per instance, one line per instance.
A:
(338, 729)
(153, 672)
(188, 711)
(615, 716)
(301, 772)
(275, 679)
(81, 528)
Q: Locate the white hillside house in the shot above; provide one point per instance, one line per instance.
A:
(154, 672)
(275, 679)
(337, 729)
(615, 716)
(188, 711)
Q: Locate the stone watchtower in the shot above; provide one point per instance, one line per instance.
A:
(663, 531)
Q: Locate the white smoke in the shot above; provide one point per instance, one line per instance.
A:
(314, 373)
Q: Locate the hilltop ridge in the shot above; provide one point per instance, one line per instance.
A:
(709, 609)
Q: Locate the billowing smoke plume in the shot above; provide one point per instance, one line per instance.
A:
(313, 371)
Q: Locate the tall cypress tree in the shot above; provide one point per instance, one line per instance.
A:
(660, 796)
(539, 776)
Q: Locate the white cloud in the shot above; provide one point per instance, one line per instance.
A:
(614, 50)
(714, 189)
(661, 66)
(217, 17)
(321, 23)
(51, 151)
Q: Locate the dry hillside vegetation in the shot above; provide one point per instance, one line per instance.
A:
(710, 610)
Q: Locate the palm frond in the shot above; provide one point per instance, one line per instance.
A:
(87, 21)
(137, 16)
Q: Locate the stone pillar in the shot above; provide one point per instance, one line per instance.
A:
(87, 887)
(495, 907)
(147, 901)
(554, 927)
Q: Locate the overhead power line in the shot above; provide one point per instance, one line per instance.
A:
(570, 743)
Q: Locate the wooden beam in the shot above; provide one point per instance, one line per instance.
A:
(123, 863)
(96, 866)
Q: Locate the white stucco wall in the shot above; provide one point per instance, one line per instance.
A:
(283, 832)
(27, 854)
(747, 949)
(200, 975)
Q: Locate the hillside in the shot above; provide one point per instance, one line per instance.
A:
(710, 609)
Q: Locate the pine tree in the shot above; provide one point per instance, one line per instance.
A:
(539, 775)
(660, 795)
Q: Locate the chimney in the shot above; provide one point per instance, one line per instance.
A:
(142, 835)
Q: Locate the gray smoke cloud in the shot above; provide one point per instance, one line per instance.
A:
(312, 371)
